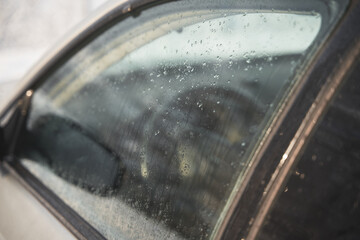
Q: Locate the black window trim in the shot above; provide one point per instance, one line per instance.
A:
(301, 138)
(329, 67)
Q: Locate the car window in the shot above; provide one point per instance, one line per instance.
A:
(148, 131)
(321, 198)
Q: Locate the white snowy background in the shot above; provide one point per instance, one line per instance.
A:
(28, 28)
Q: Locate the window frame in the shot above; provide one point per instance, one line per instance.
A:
(274, 146)
(298, 121)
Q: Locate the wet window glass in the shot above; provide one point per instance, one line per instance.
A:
(146, 131)
(321, 199)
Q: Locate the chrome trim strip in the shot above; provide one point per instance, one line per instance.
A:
(301, 137)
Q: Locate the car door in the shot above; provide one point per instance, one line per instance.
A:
(320, 198)
(157, 120)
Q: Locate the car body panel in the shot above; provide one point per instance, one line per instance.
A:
(22, 216)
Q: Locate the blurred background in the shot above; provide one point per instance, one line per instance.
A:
(28, 28)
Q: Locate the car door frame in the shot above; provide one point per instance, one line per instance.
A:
(330, 62)
(294, 128)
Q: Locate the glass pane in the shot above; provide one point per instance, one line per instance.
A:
(146, 130)
(321, 199)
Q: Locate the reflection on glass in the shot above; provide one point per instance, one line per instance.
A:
(150, 129)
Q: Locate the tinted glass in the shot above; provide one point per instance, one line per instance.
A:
(148, 131)
(321, 198)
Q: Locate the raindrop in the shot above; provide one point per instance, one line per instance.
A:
(191, 134)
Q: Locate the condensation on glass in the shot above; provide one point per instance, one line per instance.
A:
(146, 130)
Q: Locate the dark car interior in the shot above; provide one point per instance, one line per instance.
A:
(192, 144)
